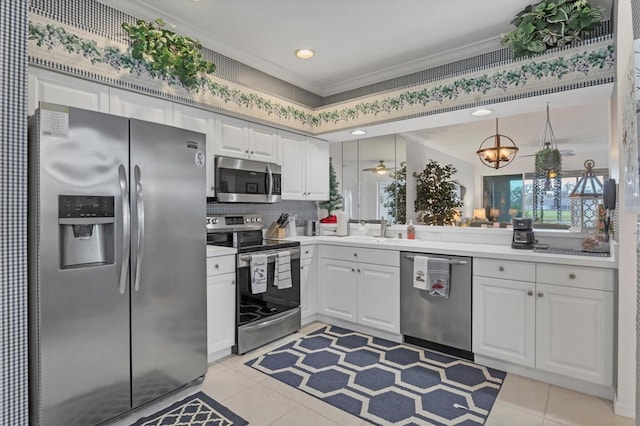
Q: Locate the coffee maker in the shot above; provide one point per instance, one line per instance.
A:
(523, 237)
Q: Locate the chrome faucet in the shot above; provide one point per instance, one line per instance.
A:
(383, 227)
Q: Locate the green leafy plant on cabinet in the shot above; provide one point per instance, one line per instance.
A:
(436, 200)
(168, 54)
(550, 24)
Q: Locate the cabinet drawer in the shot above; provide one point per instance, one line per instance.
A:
(575, 276)
(221, 265)
(505, 269)
(306, 252)
(363, 255)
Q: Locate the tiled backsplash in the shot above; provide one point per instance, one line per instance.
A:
(306, 210)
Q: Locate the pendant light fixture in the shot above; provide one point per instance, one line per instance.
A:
(497, 150)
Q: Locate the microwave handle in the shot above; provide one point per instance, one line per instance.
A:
(270, 191)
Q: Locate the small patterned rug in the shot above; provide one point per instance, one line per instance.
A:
(384, 382)
(195, 410)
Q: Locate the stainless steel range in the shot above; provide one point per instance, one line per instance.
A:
(261, 317)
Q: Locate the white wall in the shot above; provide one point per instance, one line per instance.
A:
(625, 399)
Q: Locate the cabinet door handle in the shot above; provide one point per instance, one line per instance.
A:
(353, 270)
(355, 254)
(216, 266)
(540, 294)
(306, 252)
(501, 269)
(251, 152)
(358, 270)
(246, 151)
(233, 282)
(572, 276)
(529, 293)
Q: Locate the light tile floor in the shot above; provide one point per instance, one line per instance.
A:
(264, 401)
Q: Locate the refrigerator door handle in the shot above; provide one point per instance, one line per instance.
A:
(126, 228)
(140, 212)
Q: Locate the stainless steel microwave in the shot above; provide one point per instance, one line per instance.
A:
(247, 181)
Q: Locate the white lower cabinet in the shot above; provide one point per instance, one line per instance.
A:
(308, 284)
(364, 293)
(339, 289)
(565, 329)
(574, 332)
(221, 301)
(504, 320)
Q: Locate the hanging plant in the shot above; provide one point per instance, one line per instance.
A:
(548, 180)
(549, 159)
(550, 24)
(436, 194)
(167, 53)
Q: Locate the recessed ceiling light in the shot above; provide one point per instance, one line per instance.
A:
(305, 53)
(482, 111)
(358, 132)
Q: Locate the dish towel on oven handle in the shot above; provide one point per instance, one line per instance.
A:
(282, 274)
(258, 273)
(431, 274)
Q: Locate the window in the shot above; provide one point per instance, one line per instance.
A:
(512, 196)
(568, 183)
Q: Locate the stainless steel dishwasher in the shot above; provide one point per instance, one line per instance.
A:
(435, 322)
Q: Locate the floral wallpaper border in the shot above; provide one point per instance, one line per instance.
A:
(53, 43)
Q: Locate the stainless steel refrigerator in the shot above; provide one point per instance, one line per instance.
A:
(117, 263)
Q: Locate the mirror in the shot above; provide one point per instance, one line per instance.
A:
(368, 172)
(582, 130)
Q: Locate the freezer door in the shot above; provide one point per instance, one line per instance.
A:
(79, 307)
(168, 265)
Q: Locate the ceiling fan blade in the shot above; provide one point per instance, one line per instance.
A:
(563, 153)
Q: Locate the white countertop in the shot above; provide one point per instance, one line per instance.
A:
(489, 251)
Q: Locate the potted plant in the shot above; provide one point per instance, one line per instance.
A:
(396, 201)
(168, 54)
(437, 201)
(551, 23)
(335, 199)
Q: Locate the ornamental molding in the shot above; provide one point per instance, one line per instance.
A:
(71, 50)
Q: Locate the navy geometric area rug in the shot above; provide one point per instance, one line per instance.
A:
(384, 382)
(195, 410)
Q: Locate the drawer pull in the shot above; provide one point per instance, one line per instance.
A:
(572, 276)
(540, 294)
(529, 293)
(501, 269)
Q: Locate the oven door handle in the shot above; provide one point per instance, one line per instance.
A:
(449, 261)
(271, 321)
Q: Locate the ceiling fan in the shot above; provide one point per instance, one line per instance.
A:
(380, 169)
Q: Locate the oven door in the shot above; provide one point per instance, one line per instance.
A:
(246, 181)
(264, 317)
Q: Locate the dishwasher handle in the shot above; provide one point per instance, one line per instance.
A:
(449, 261)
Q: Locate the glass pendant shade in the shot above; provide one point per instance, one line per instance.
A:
(497, 150)
(585, 201)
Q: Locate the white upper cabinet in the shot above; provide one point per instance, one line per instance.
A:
(202, 121)
(134, 105)
(240, 139)
(47, 86)
(305, 167)
(317, 161)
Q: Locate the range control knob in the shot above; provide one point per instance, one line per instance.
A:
(247, 220)
(258, 219)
